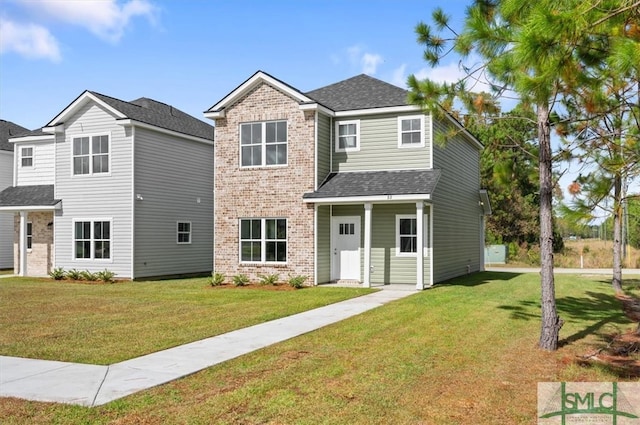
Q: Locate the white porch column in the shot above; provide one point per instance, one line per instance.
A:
(420, 245)
(22, 244)
(368, 206)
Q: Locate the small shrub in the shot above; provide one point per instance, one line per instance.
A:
(106, 276)
(297, 281)
(240, 279)
(216, 279)
(269, 279)
(87, 275)
(57, 273)
(74, 274)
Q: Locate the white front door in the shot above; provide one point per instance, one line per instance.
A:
(345, 249)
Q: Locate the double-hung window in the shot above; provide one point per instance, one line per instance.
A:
(407, 235)
(91, 155)
(26, 156)
(411, 131)
(92, 239)
(263, 143)
(347, 136)
(184, 232)
(263, 240)
(29, 235)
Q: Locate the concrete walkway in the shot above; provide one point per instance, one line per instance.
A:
(94, 385)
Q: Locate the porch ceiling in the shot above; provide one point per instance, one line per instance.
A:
(367, 184)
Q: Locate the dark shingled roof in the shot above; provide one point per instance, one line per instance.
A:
(7, 131)
(159, 114)
(375, 183)
(25, 196)
(359, 92)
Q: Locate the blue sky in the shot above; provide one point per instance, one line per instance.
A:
(192, 53)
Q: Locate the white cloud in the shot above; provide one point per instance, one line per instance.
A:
(370, 62)
(450, 73)
(29, 40)
(366, 61)
(399, 77)
(107, 19)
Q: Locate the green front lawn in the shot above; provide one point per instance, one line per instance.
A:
(108, 323)
(461, 353)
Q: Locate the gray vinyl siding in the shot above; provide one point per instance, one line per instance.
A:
(42, 170)
(324, 147)
(6, 219)
(91, 197)
(379, 147)
(387, 266)
(457, 212)
(324, 244)
(171, 175)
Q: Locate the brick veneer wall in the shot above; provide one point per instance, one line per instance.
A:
(40, 256)
(265, 192)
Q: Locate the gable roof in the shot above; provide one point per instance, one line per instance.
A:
(143, 110)
(359, 92)
(8, 130)
(376, 183)
(40, 196)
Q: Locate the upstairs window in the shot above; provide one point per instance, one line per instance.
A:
(263, 143)
(91, 155)
(26, 157)
(347, 136)
(411, 131)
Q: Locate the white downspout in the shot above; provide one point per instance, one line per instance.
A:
(368, 206)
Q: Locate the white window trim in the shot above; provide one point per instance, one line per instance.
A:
(90, 136)
(92, 239)
(337, 136)
(425, 235)
(178, 232)
(263, 240)
(33, 156)
(422, 131)
(263, 144)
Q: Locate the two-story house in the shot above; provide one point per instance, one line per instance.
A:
(343, 183)
(7, 130)
(109, 184)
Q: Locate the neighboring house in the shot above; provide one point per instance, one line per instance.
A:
(343, 183)
(109, 184)
(7, 130)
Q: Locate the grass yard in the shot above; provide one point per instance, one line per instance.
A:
(461, 353)
(104, 324)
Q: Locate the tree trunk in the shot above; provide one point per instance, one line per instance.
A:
(616, 282)
(551, 322)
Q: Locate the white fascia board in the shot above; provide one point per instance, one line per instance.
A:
(215, 114)
(57, 206)
(54, 129)
(32, 139)
(459, 126)
(378, 199)
(317, 107)
(129, 122)
(81, 100)
(374, 111)
(257, 78)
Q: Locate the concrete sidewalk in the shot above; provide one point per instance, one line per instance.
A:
(94, 385)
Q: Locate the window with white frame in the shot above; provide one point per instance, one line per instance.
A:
(407, 235)
(411, 131)
(263, 240)
(92, 239)
(29, 235)
(184, 232)
(90, 155)
(263, 143)
(26, 156)
(347, 136)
